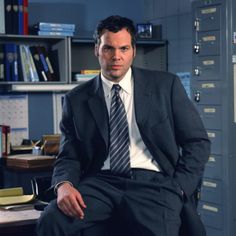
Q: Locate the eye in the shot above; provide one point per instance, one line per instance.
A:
(124, 49)
(107, 48)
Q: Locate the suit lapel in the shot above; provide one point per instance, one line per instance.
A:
(98, 108)
(142, 97)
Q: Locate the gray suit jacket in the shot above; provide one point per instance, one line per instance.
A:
(168, 122)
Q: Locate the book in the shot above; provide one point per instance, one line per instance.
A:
(24, 64)
(56, 33)
(10, 196)
(1, 144)
(53, 29)
(19, 64)
(30, 161)
(5, 129)
(33, 71)
(11, 71)
(15, 17)
(25, 17)
(83, 77)
(43, 54)
(47, 25)
(8, 17)
(38, 64)
(20, 17)
(90, 71)
(2, 17)
(2, 64)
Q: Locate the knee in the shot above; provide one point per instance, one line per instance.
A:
(50, 218)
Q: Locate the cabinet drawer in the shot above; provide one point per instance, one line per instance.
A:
(211, 191)
(214, 232)
(209, 43)
(211, 214)
(208, 18)
(211, 116)
(208, 92)
(207, 68)
(213, 168)
(215, 137)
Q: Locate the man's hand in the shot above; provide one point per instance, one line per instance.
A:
(70, 201)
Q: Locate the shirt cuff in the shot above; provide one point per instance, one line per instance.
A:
(59, 184)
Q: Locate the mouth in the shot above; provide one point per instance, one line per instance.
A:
(115, 67)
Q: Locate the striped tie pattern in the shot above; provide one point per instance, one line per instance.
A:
(119, 136)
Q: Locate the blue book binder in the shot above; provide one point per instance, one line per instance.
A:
(46, 25)
(2, 62)
(15, 17)
(56, 33)
(8, 16)
(20, 17)
(11, 66)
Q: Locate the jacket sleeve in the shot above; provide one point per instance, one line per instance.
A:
(192, 139)
(68, 165)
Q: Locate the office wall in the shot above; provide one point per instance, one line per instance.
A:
(175, 17)
(85, 13)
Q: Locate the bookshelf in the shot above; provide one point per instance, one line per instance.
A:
(71, 55)
(57, 48)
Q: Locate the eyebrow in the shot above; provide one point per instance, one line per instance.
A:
(123, 46)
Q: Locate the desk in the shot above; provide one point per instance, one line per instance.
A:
(21, 177)
(15, 223)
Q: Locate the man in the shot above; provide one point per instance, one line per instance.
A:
(132, 146)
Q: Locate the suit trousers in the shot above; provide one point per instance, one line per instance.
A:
(147, 204)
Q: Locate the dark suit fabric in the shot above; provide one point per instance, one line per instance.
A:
(168, 123)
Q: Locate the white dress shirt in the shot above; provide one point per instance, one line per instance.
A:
(140, 157)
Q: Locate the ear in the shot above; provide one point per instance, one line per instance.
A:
(134, 53)
(96, 50)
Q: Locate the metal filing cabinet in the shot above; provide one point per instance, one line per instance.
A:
(213, 91)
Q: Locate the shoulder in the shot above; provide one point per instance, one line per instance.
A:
(155, 74)
(154, 77)
(81, 90)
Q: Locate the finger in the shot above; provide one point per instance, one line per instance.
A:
(64, 208)
(81, 201)
(71, 208)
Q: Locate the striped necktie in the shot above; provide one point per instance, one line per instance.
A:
(119, 136)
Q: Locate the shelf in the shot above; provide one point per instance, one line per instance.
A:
(138, 42)
(72, 54)
(13, 37)
(41, 87)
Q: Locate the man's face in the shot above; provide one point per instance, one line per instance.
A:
(115, 54)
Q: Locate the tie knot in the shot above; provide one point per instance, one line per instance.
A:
(116, 88)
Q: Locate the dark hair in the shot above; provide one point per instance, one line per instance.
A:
(115, 24)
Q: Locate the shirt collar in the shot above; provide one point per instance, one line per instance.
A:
(125, 83)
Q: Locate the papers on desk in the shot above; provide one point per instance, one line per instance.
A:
(11, 196)
(9, 217)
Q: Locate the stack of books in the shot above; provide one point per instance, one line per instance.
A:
(56, 29)
(85, 75)
(14, 17)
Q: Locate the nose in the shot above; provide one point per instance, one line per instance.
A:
(116, 55)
